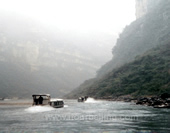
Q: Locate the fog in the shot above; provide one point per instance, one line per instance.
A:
(73, 37)
(93, 22)
(83, 16)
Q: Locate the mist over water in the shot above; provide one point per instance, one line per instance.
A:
(54, 46)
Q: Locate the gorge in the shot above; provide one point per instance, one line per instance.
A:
(140, 63)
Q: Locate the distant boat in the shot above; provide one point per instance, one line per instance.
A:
(45, 99)
(82, 98)
(6, 99)
(1, 98)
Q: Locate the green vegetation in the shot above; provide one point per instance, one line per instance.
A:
(143, 34)
(148, 74)
(133, 69)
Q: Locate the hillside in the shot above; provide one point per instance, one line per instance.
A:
(148, 74)
(147, 32)
(141, 35)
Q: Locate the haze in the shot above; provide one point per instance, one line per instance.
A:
(76, 15)
(74, 38)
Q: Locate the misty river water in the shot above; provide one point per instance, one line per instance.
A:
(89, 117)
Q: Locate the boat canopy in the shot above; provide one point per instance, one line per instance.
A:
(48, 95)
(54, 100)
(41, 99)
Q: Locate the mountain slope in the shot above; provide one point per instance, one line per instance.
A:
(145, 33)
(148, 74)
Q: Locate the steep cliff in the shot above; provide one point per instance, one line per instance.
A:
(145, 33)
(149, 74)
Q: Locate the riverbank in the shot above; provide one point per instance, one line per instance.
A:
(162, 101)
(16, 102)
(156, 102)
(1, 103)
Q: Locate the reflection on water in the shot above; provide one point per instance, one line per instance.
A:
(91, 116)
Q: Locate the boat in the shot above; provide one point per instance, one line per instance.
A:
(45, 100)
(2, 99)
(57, 103)
(82, 98)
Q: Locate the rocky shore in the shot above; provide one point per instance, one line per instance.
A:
(162, 101)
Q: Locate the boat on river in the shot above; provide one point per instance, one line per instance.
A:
(57, 103)
(82, 98)
(45, 100)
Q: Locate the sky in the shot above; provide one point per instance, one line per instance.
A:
(82, 16)
(85, 30)
(91, 25)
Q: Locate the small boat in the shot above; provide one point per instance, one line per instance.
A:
(45, 99)
(2, 99)
(82, 98)
(57, 103)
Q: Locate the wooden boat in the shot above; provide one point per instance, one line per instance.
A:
(45, 99)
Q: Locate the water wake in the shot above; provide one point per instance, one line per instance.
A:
(91, 100)
(65, 106)
(37, 109)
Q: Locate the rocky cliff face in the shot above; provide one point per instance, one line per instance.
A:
(144, 6)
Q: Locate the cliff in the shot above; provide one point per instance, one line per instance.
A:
(145, 33)
(150, 31)
(148, 75)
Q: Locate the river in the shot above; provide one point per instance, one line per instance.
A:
(90, 117)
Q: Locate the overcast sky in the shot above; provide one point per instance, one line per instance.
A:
(76, 15)
(90, 24)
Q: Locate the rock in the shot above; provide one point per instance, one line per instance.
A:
(156, 102)
(142, 101)
(165, 96)
(168, 100)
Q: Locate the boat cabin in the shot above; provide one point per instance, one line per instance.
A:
(41, 99)
(57, 103)
(82, 98)
(45, 99)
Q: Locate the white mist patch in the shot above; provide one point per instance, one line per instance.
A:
(37, 109)
(91, 100)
